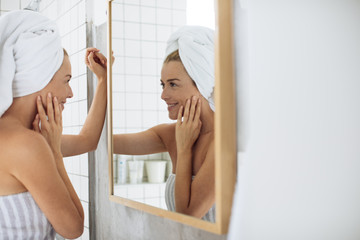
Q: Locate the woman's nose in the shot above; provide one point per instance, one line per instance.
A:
(164, 95)
(70, 94)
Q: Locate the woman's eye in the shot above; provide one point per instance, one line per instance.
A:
(172, 84)
(162, 85)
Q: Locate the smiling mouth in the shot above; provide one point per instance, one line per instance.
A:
(171, 106)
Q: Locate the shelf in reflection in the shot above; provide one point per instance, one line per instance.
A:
(148, 193)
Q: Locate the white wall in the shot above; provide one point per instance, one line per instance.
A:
(299, 166)
(140, 32)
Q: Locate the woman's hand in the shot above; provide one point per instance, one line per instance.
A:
(188, 127)
(51, 122)
(97, 62)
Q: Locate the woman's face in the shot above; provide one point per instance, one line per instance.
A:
(177, 87)
(59, 84)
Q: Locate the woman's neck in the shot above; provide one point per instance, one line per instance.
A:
(22, 110)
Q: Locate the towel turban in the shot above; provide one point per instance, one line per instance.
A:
(196, 50)
(30, 54)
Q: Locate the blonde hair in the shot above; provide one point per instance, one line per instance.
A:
(174, 56)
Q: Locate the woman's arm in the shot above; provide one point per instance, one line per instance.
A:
(90, 133)
(45, 178)
(146, 142)
(43, 173)
(196, 197)
(192, 197)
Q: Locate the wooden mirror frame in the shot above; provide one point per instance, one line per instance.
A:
(225, 127)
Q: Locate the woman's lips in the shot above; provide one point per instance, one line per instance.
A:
(171, 106)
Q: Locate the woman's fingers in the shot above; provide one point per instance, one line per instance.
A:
(57, 111)
(186, 111)
(179, 115)
(41, 111)
(192, 108)
(88, 51)
(50, 109)
(92, 49)
(60, 109)
(36, 123)
(198, 110)
(101, 58)
(90, 58)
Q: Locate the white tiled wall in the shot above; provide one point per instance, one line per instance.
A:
(71, 19)
(8, 5)
(140, 31)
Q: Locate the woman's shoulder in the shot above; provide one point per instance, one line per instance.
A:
(165, 130)
(166, 126)
(18, 140)
(22, 151)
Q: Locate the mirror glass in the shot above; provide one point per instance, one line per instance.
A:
(139, 35)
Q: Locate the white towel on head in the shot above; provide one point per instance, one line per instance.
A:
(196, 50)
(30, 54)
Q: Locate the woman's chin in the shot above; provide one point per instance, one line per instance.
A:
(172, 117)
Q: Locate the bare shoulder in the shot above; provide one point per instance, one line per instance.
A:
(25, 139)
(165, 130)
(21, 146)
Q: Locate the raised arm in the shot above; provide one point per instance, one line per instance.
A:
(192, 197)
(90, 133)
(146, 142)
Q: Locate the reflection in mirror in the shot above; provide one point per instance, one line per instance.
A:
(153, 157)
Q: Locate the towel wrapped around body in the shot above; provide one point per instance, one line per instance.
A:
(196, 50)
(30, 54)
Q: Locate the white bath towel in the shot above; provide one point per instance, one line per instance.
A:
(196, 50)
(30, 54)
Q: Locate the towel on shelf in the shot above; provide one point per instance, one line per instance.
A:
(196, 50)
(30, 54)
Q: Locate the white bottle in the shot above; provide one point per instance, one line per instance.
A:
(122, 173)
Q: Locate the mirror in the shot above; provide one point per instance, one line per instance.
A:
(137, 34)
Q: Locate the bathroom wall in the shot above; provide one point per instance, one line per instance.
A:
(9, 5)
(71, 19)
(140, 32)
(299, 157)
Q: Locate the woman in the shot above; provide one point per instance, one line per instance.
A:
(37, 198)
(187, 78)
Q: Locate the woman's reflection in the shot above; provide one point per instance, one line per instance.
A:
(187, 79)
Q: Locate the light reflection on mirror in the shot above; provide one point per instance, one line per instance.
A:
(140, 33)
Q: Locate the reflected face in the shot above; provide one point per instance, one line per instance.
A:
(59, 84)
(177, 87)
